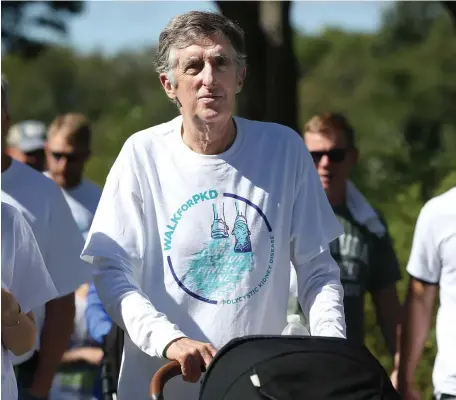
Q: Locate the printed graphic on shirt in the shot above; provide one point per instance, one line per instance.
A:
(227, 257)
(351, 253)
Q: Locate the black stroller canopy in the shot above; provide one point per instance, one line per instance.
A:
(293, 368)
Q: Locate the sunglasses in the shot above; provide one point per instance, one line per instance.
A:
(70, 157)
(334, 155)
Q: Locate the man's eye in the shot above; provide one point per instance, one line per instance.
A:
(192, 67)
(222, 61)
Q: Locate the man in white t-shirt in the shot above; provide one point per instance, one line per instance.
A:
(68, 149)
(26, 284)
(432, 269)
(44, 207)
(201, 216)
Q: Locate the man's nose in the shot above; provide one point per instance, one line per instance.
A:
(208, 75)
(324, 161)
(63, 162)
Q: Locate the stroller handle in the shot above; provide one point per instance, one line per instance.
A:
(161, 377)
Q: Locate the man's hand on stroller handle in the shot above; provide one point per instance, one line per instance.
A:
(193, 357)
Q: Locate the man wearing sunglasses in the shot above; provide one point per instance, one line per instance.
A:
(68, 149)
(364, 253)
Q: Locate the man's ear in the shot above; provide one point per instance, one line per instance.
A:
(87, 155)
(240, 80)
(169, 88)
(354, 156)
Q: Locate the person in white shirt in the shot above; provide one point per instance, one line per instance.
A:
(201, 216)
(26, 284)
(67, 149)
(44, 207)
(432, 270)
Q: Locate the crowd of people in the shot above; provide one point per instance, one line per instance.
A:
(208, 227)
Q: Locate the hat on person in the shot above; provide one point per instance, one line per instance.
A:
(27, 136)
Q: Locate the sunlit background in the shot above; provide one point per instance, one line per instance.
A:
(389, 66)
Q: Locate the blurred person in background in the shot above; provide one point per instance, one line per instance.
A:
(200, 189)
(26, 284)
(68, 149)
(99, 326)
(364, 252)
(108, 335)
(99, 323)
(432, 271)
(79, 371)
(44, 207)
(25, 143)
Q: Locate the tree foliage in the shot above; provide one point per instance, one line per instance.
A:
(16, 18)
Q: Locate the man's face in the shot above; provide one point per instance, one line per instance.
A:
(206, 80)
(65, 161)
(333, 160)
(35, 159)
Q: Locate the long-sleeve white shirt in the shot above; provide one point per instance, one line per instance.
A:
(196, 245)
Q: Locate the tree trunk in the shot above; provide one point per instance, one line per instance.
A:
(252, 100)
(270, 90)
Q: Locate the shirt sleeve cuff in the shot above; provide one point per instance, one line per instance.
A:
(166, 337)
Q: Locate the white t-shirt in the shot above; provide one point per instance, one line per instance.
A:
(24, 275)
(44, 207)
(200, 245)
(433, 260)
(83, 201)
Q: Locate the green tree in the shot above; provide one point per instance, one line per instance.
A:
(16, 18)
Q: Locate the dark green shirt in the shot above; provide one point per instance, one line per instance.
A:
(367, 263)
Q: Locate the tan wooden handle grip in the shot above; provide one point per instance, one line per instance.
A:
(161, 377)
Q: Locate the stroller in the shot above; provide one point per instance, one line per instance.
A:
(288, 368)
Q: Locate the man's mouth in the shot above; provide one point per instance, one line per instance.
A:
(209, 96)
(326, 177)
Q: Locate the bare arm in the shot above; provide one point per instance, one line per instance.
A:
(55, 338)
(416, 323)
(18, 330)
(92, 355)
(387, 308)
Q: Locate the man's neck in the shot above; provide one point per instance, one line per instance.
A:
(69, 186)
(207, 138)
(337, 199)
(72, 185)
(6, 162)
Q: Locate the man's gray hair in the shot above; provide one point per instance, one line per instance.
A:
(191, 27)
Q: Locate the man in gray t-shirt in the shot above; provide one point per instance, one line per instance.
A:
(364, 253)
